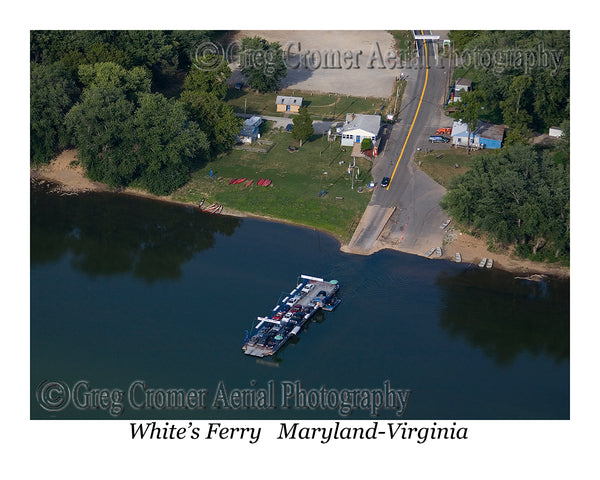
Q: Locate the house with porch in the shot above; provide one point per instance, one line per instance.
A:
(359, 126)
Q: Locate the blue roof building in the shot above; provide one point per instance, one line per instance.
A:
(249, 132)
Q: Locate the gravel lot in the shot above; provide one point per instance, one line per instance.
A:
(357, 49)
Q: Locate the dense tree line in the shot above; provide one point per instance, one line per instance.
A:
(526, 97)
(109, 94)
(519, 196)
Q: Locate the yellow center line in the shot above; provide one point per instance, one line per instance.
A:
(416, 113)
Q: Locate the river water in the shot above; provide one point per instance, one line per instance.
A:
(133, 298)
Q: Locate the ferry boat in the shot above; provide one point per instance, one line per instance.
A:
(292, 311)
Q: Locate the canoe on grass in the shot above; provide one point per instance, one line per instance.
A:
(248, 183)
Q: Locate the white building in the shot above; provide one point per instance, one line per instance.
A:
(249, 132)
(461, 84)
(486, 135)
(555, 132)
(358, 127)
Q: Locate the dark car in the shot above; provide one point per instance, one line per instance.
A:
(438, 139)
(385, 182)
(288, 127)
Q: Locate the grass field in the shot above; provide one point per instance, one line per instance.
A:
(441, 164)
(328, 106)
(297, 178)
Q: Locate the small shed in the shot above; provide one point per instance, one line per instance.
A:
(555, 132)
(249, 132)
(288, 104)
(463, 84)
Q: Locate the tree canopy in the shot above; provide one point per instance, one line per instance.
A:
(123, 132)
(519, 196)
(101, 93)
(53, 93)
(262, 63)
(302, 128)
(526, 99)
(203, 95)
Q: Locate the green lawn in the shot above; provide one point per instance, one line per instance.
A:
(442, 169)
(297, 178)
(321, 106)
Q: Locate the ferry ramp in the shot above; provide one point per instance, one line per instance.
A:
(369, 228)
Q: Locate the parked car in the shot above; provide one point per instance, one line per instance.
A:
(438, 139)
(385, 182)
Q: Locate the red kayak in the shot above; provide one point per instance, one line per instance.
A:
(248, 183)
(232, 180)
(260, 182)
(266, 183)
(240, 180)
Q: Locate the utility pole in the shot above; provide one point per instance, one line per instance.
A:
(351, 172)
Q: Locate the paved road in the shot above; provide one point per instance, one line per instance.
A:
(319, 126)
(406, 216)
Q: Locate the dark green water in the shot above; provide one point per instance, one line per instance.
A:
(125, 289)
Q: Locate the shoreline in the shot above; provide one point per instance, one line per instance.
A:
(71, 179)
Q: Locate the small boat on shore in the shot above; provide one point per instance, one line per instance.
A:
(490, 263)
(445, 224)
(482, 263)
(438, 251)
(457, 257)
(430, 252)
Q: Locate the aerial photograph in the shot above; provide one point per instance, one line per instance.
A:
(305, 225)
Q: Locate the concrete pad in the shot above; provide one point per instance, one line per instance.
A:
(368, 230)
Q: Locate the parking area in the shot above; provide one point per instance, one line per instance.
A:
(310, 67)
